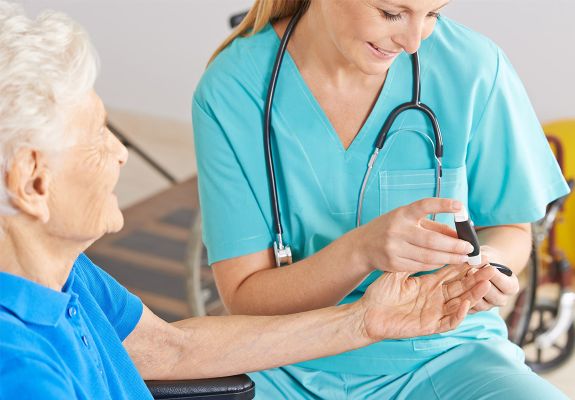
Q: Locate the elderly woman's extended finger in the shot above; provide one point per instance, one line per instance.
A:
(452, 319)
(474, 295)
(457, 287)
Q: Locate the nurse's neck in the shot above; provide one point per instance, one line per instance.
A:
(315, 54)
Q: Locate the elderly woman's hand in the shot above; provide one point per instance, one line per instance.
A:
(400, 306)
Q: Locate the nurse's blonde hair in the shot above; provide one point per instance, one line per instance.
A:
(262, 13)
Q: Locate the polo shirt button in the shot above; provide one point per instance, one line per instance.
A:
(85, 340)
(72, 311)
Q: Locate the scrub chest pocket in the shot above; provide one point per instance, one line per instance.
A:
(402, 187)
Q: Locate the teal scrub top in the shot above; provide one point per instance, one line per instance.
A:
(496, 161)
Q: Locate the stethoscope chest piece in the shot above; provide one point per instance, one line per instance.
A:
(282, 254)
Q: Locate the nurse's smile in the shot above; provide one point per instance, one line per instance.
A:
(382, 54)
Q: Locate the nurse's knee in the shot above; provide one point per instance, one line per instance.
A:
(519, 386)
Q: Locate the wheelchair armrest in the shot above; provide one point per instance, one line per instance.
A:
(237, 387)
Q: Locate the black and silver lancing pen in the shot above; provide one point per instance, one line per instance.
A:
(465, 231)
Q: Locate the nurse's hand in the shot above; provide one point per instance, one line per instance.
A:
(503, 287)
(405, 240)
(401, 306)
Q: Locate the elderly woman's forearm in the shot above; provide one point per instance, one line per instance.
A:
(220, 346)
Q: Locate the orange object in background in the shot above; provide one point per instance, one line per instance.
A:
(561, 136)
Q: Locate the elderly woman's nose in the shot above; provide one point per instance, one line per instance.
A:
(123, 154)
(122, 151)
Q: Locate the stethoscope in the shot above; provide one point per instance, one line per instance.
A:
(283, 254)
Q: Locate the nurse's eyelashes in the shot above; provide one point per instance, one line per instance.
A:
(389, 16)
(396, 17)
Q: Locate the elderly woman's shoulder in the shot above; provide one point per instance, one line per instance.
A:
(17, 339)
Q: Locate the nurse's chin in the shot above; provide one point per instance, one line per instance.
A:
(375, 68)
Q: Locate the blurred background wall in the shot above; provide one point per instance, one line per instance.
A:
(154, 51)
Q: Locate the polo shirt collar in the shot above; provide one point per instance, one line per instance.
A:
(32, 302)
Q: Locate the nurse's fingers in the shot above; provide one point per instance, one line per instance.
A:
(409, 265)
(438, 241)
(481, 305)
(438, 227)
(429, 257)
(433, 205)
(495, 297)
(506, 284)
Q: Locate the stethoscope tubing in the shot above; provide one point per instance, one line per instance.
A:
(267, 127)
(414, 104)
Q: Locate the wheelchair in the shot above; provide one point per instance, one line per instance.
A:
(541, 320)
(238, 387)
(542, 316)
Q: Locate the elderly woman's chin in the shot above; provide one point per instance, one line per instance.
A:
(84, 221)
(116, 217)
(111, 218)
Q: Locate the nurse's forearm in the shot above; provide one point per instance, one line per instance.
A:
(320, 280)
(509, 245)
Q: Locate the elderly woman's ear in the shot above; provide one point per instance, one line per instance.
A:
(28, 180)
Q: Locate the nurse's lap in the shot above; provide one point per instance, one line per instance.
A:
(487, 369)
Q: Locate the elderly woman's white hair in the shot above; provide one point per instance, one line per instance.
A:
(45, 65)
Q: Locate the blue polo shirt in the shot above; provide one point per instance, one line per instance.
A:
(68, 344)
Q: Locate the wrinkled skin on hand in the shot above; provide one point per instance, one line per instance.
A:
(398, 305)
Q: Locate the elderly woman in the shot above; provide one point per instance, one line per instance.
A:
(68, 329)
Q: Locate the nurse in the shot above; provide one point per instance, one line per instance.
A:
(346, 68)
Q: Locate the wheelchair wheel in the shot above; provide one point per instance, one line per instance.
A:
(518, 314)
(541, 360)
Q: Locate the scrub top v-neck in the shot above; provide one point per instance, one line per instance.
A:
(496, 161)
(328, 135)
